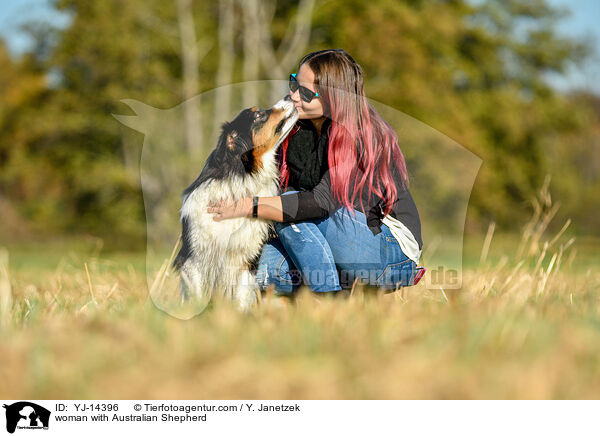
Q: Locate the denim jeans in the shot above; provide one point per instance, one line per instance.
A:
(329, 253)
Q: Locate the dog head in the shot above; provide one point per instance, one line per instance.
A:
(248, 144)
(254, 135)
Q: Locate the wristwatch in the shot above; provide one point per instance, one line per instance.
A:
(255, 207)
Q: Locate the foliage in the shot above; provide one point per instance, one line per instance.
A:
(474, 71)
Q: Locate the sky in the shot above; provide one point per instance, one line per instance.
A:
(13, 13)
(582, 23)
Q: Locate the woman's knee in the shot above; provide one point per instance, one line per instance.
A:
(296, 232)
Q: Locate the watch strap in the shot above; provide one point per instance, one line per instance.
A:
(255, 207)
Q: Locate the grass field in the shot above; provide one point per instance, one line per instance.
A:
(78, 323)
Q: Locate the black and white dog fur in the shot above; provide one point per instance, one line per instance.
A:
(214, 256)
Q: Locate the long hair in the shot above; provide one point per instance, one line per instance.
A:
(362, 146)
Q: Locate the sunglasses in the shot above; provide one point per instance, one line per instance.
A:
(306, 94)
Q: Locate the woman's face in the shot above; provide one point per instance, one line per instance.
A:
(314, 109)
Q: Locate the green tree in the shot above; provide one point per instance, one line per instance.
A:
(474, 71)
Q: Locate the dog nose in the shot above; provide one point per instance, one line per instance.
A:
(286, 103)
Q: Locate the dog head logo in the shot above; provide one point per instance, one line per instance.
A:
(26, 415)
(177, 143)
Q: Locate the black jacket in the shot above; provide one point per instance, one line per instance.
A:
(307, 156)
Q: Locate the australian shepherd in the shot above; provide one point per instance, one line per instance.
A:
(215, 256)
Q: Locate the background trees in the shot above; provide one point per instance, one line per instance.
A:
(476, 73)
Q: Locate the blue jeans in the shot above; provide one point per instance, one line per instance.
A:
(329, 253)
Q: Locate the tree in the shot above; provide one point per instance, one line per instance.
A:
(474, 71)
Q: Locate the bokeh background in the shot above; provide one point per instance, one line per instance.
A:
(515, 83)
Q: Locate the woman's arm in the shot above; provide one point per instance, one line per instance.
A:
(269, 208)
(290, 207)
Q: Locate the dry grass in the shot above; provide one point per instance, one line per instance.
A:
(524, 327)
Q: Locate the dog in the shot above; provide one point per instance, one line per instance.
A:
(215, 256)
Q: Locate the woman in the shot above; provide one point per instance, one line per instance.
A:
(345, 212)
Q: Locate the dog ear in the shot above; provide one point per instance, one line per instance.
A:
(247, 160)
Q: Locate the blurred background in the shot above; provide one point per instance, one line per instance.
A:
(514, 82)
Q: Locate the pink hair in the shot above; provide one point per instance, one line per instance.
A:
(353, 121)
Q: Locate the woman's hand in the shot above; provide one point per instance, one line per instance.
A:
(224, 210)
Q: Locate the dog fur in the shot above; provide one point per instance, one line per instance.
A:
(215, 256)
